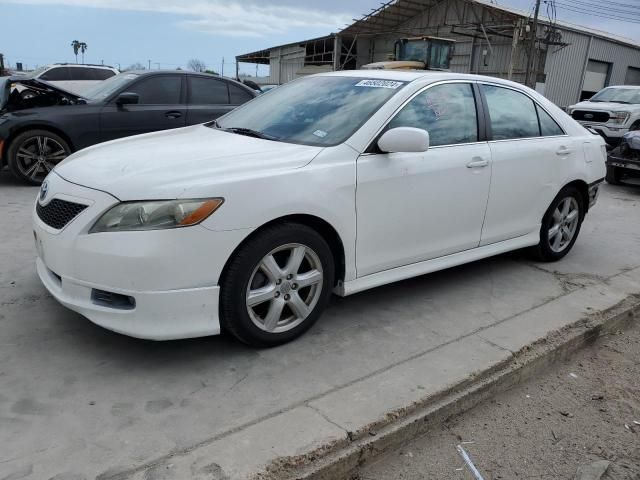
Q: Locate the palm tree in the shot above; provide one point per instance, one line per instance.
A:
(76, 48)
(83, 48)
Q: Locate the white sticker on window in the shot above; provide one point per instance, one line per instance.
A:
(379, 84)
(320, 133)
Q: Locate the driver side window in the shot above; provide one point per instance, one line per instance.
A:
(447, 112)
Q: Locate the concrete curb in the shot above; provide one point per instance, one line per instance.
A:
(341, 459)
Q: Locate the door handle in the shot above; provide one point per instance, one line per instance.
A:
(562, 151)
(478, 162)
(173, 114)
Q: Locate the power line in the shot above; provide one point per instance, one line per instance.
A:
(598, 7)
(608, 17)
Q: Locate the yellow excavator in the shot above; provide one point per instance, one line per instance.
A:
(418, 53)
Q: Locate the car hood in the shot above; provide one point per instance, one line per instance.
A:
(54, 95)
(605, 106)
(171, 164)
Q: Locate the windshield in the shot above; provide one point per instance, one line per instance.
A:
(617, 95)
(321, 111)
(107, 87)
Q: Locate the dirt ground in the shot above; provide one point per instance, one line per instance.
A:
(579, 412)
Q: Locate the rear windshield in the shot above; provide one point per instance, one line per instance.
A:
(320, 111)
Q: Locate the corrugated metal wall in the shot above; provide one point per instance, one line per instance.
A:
(284, 63)
(565, 67)
(468, 57)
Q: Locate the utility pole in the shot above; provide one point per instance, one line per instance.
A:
(149, 64)
(222, 69)
(532, 49)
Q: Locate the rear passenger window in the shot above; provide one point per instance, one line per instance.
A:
(208, 91)
(548, 126)
(513, 114)
(57, 74)
(160, 90)
(80, 73)
(447, 112)
(238, 95)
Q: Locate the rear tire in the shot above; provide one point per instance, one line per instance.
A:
(614, 175)
(561, 225)
(34, 153)
(277, 285)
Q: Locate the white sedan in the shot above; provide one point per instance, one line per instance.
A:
(337, 182)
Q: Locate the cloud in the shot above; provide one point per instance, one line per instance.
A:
(221, 17)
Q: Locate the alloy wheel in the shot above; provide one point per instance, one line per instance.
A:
(284, 288)
(566, 218)
(37, 156)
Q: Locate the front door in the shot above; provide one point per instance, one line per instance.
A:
(413, 207)
(161, 106)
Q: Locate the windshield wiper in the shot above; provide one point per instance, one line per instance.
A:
(250, 133)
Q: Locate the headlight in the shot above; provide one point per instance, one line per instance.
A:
(156, 215)
(619, 117)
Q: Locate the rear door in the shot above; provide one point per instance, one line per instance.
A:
(208, 99)
(162, 106)
(529, 151)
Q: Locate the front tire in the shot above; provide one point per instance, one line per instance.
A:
(34, 153)
(276, 285)
(561, 225)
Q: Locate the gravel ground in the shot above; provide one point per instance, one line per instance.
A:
(579, 412)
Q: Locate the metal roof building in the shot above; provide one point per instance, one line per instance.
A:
(570, 62)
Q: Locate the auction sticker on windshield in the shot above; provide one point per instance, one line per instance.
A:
(379, 84)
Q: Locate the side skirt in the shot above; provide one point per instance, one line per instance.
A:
(441, 263)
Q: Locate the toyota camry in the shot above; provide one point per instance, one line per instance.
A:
(334, 183)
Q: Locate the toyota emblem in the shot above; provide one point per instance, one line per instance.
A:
(588, 115)
(44, 190)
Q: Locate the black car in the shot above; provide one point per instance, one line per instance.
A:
(624, 160)
(41, 124)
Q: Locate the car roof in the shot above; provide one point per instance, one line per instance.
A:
(90, 65)
(422, 75)
(629, 87)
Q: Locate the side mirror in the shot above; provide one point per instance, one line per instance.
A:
(127, 98)
(404, 139)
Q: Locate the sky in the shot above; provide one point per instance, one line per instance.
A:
(167, 33)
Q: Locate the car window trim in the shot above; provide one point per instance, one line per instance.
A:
(140, 78)
(372, 148)
(188, 100)
(526, 94)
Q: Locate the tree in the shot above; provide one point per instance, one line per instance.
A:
(196, 65)
(79, 47)
(83, 48)
(76, 48)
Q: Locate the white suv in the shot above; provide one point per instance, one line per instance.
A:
(72, 77)
(612, 112)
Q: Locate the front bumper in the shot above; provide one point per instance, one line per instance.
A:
(165, 315)
(632, 166)
(171, 276)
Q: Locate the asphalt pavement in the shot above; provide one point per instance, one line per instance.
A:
(80, 402)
